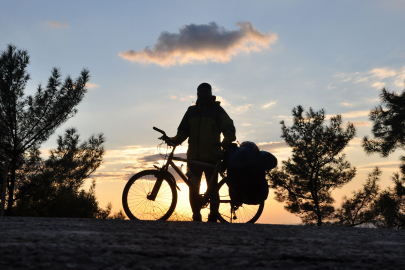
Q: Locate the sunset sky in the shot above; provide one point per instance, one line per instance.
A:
(146, 59)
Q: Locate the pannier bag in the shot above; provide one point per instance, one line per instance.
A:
(246, 172)
(266, 161)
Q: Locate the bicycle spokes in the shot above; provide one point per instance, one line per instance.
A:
(146, 199)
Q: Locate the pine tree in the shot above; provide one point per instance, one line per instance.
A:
(388, 125)
(316, 167)
(27, 121)
(52, 187)
(389, 135)
(360, 208)
(389, 207)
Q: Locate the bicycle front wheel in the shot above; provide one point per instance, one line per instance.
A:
(135, 199)
(245, 213)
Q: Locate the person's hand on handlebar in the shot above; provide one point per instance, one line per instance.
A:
(170, 141)
(174, 140)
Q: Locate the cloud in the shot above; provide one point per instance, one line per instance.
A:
(243, 108)
(91, 85)
(172, 97)
(373, 77)
(361, 79)
(347, 115)
(269, 104)
(223, 101)
(344, 77)
(111, 176)
(339, 75)
(135, 154)
(383, 72)
(191, 97)
(147, 162)
(158, 157)
(346, 104)
(57, 25)
(330, 87)
(130, 160)
(347, 79)
(283, 117)
(216, 89)
(373, 100)
(129, 154)
(273, 146)
(378, 85)
(394, 165)
(354, 114)
(399, 80)
(246, 124)
(361, 123)
(202, 43)
(355, 142)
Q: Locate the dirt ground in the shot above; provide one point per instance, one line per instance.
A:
(57, 243)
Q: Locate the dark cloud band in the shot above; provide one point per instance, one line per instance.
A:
(202, 43)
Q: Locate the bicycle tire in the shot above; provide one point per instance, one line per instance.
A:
(136, 204)
(246, 213)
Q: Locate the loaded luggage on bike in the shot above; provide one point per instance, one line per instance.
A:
(246, 173)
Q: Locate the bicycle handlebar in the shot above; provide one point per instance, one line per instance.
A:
(159, 130)
(165, 137)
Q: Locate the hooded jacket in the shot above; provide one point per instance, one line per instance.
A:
(203, 125)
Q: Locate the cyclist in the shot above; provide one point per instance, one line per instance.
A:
(203, 124)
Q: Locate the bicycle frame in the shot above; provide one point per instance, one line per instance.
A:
(170, 162)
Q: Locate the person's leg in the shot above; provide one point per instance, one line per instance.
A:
(194, 195)
(214, 196)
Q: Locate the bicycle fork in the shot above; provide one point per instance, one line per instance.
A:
(152, 195)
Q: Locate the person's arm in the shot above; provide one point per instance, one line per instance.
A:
(183, 131)
(227, 128)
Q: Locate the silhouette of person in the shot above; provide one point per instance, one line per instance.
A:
(203, 124)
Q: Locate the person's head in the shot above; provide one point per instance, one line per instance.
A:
(204, 92)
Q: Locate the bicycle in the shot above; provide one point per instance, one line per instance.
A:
(152, 194)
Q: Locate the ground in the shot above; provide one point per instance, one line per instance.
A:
(58, 243)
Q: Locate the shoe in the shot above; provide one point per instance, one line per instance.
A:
(197, 217)
(212, 217)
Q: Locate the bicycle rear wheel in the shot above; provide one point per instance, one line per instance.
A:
(245, 213)
(136, 203)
